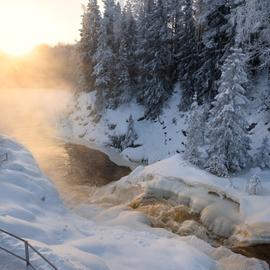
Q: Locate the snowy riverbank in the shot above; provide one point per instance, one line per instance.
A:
(31, 208)
(155, 140)
(224, 207)
(247, 218)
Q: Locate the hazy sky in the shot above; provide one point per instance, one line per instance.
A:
(26, 23)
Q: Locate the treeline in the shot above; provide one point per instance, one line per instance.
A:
(214, 48)
(142, 49)
(46, 67)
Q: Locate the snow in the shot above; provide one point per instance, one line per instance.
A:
(251, 208)
(114, 238)
(168, 173)
(224, 206)
(158, 139)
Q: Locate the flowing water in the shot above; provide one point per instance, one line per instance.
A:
(31, 117)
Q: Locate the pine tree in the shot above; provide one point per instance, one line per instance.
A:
(117, 22)
(216, 31)
(254, 185)
(262, 157)
(195, 134)
(127, 65)
(130, 35)
(156, 59)
(187, 54)
(88, 44)
(228, 137)
(131, 135)
(253, 32)
(124, 79)
(105, 59)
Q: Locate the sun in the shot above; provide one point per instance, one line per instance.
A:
(20, 24)
(15, 50)
(25, 24)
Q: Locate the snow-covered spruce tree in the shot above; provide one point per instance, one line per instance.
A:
(262, 157)
(156, 58)
(216, 32)
(123, 74)
(104, 70)
(253, 32)
(254, 185)
(131, 135)
(126, 65)
(87, 45)
(187, 54)
(228, 137)
(129, 35)
(253, 35)
(117, 26)
(195, 133)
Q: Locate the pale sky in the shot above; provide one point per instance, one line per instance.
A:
(26, 23)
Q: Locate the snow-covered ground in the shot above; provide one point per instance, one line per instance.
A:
(161, 143)
(224, 206)
(160, 139)
(115, 238)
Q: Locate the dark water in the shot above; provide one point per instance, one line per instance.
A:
(259, 251)
(31, 116)
(92, 166)
(170, 216)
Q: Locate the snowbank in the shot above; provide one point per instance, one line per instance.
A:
(156, 140)
(115, 239)
(223, 204)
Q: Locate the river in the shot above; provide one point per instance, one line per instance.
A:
(31, 117)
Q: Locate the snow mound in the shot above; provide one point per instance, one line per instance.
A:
(224, 206)
(114, 239)
(156, 140)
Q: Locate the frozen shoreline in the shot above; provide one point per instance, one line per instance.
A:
(31, 208)
(165, 175)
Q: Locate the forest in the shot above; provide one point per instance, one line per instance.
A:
(215, 49)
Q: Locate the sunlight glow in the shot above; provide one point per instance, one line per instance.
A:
(27, 23)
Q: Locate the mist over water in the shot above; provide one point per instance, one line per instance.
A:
(32, 116)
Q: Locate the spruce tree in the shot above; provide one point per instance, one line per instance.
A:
(262, 157)
(105, 59)
(130, 37)
(253, 32)
(195, 133)
(156, 59)
(228, 137)
(131, 135)
(187, 55)
(126, 67)
(216, 32)
(88, 44)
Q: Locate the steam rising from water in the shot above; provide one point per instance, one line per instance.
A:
(31, 117)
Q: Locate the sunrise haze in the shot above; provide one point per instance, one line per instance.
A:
(27, 23)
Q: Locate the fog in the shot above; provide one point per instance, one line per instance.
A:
(35, 91)
(44, 67)
(31, 116)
